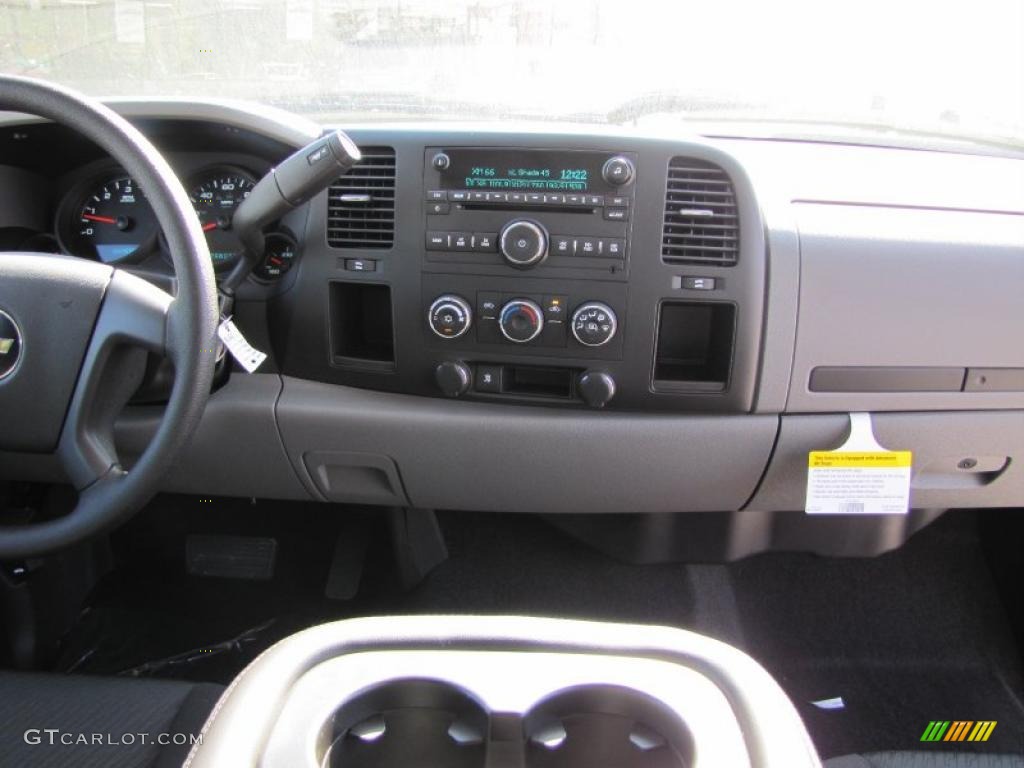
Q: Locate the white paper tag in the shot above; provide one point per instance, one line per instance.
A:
(247, 356)
(860, 477)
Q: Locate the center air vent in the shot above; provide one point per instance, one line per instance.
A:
(361, 204)
(701, 223)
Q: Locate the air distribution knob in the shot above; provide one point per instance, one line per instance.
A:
(594, 324)
(523, 243)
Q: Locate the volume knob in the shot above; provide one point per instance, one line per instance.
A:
(524, 243)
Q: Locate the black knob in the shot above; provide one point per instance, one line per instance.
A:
(441, 162)
(523, 243)
(452, 378)
(596, 388)
(521, 320)
(618, 171)
(449, 316)
(594, 324)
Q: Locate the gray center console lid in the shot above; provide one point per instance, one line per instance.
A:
(501, 688)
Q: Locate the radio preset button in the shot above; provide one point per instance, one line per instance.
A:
(594, 324)
(458, 195)
(574, 199)
(497, 197)
(523, 243)
(614, 248)
(588, 246)
(484, 242)
(554, 199)
(534, 198)
(517, 197)
(562, 245)
(478, 197)
(521, 320)
(595, 200)
(438, 241)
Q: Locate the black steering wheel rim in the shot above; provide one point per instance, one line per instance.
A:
(183, 327)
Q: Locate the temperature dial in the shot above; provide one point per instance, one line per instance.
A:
(523, 243)
(449, 316)
(594, 324)
(521, 321)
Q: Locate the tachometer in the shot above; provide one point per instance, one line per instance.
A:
(113, 223)
(215, 195)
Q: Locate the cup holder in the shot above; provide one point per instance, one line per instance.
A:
(604, 726)
(409, 722)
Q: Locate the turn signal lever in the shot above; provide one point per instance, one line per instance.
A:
(287, 186)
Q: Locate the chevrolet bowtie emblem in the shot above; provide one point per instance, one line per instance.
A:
(12, 345)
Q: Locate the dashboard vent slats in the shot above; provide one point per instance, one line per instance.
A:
(361, 204)
(701, 221)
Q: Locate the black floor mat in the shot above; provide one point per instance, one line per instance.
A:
(912, 636)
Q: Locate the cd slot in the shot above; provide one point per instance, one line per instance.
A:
(526, 206)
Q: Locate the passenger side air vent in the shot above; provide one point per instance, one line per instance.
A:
(361, 204)
(701, 222)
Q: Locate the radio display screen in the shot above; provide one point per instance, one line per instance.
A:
(526, 170)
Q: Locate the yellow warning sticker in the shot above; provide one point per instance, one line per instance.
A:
(860, 477)
(855, 459)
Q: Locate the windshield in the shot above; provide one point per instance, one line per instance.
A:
(952, 68)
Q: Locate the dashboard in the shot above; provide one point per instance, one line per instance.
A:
(526, 319)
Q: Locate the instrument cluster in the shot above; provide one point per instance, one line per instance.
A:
(105, 216)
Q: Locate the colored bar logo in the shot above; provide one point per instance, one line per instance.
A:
(958, 730)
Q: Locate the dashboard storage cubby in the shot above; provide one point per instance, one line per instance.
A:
(694, 346)
(362, 330)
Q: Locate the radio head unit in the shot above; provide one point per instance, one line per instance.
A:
(547, 209)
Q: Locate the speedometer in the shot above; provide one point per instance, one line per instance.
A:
(215, 195)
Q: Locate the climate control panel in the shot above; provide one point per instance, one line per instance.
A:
(523, 318)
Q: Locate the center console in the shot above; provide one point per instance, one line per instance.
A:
(574, 271)
(503, 692)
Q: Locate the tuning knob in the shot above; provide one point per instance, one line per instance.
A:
(596, 388)
(523, 243)
(618, 171)
(452, 378)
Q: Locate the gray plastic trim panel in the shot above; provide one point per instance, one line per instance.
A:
(463, 455)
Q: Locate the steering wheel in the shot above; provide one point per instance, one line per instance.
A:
(70, 331)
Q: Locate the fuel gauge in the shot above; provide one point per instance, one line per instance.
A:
(278, 257)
